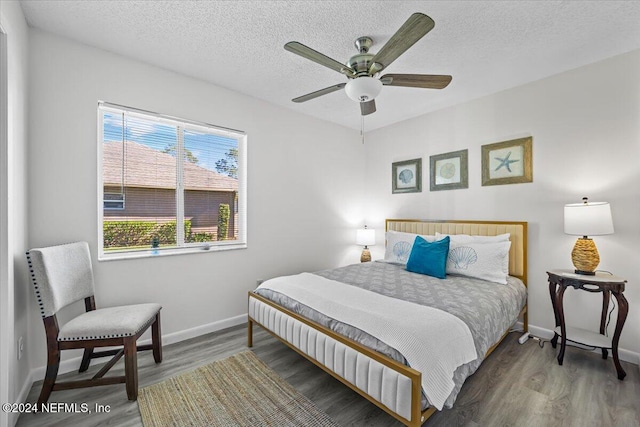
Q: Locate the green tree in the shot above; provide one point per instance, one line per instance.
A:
(228, 165)
(171, 149)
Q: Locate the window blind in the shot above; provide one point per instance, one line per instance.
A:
(168, 184)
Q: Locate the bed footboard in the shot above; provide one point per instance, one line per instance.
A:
(388, 384)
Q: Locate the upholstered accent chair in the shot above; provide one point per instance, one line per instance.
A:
(62, 275)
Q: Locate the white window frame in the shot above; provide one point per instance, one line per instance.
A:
(182, 248)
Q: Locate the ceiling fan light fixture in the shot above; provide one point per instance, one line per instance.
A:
(363, 89)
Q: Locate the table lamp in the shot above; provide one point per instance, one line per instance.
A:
(587, 219)
(365, 237)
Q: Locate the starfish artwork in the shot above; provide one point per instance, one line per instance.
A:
(505, 162)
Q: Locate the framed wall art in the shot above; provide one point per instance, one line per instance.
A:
(449, 171)
(406, 176)
(507, 162)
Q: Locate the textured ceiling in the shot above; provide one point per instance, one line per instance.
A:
(487, 46)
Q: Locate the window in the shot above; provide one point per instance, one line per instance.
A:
(168, 185)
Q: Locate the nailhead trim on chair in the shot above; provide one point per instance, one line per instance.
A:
(35, 285)
(100, 337)
(110, 336)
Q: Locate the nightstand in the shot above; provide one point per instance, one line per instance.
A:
(608, 284)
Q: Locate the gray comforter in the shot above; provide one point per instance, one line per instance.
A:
(488, 309)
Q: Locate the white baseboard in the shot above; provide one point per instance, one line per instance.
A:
(174, 337)
(21, 397)
(626, 355)
(186, 334)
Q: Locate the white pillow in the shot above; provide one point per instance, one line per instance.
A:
(466, 238)
(480, 260)
(399, 246)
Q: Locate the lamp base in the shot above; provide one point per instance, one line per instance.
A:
(585, 256)
(366, 255)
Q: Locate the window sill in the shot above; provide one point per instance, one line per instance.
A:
(112, 256)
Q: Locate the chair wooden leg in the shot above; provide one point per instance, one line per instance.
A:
(156, 339)
(86, 359)
(53, 358)
(131, 368)
(53, 363)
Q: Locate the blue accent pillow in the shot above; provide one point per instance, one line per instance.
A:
(429, 258)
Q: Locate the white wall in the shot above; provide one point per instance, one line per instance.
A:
(14, 294)
(304, 199)
(585, 125)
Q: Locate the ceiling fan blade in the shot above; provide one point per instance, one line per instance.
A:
(368, 107)
(318, 93)
(411, 31)
(319, 58)
(427, 81)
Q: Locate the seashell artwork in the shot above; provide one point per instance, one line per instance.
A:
(402, 250)
(462, 257)
(406, 176)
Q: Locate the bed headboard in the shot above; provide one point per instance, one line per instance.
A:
(516, 229)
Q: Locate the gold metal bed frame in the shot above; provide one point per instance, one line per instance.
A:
(517, 268)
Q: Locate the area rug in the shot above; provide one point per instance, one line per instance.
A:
(239, 391)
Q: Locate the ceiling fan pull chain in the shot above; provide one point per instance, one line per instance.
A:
(362, 128)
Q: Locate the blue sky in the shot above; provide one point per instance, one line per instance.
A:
(208, 148)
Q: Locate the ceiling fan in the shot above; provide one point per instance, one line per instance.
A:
(362, 69)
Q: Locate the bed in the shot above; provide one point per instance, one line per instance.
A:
(405, 379)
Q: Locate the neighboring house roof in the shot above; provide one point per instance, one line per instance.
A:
(143, 163)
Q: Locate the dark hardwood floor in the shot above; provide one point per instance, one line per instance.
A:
(518, 385)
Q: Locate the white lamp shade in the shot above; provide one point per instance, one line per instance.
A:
(366, 237)
(588, 219)
(363, 89)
